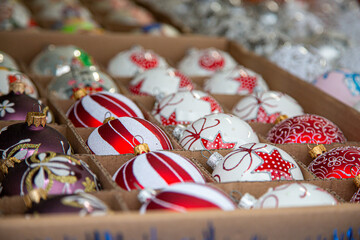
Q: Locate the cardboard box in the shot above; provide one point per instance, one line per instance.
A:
(291, 223)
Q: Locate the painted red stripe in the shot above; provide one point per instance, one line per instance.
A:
(127, 173)
(73, 118)
(160, 135)
(85, 117)
(165, 171)
(116, 140)
(186, 201)
(117, 107)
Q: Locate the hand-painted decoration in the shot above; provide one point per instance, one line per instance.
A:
(9, 76)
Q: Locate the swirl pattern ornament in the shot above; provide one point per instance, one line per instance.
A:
(55, 173)
(307, 128)
(341, 162)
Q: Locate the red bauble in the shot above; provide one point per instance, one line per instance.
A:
(121, 135)
(156, 170)
(307, 128)
(184, 197)
(341, 162)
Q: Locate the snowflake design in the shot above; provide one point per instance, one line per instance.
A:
(217, 143)
(275, 165)
(6, 106)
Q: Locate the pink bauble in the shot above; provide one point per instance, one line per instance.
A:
(341, 84)
(185, 107)
(216, 131)
(121, 135)
(266, 107)
(90, 111)
(156, 170)
(130, 62)
(256, 162)
(307, 128)
(340, 162)
(205, 62)
(184, 197)
(160, 81)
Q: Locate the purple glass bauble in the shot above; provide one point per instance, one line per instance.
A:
(55, 173)
(21, 140)
(82, 203)
(15, 106)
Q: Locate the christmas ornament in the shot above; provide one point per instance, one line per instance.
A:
(88, 78)
(90, 110)
(80, 203)
(159, 29)
(7, 61)
(184, 197)
(21, 140)
(290, 195)
(266, 107)
(216, 131)
(156, 170)
(121, 135)
(16, 104)
(131, 15)
(238, 80)
(205, 62)
(8, 76)
(78, 25)
(56, 60)
(255, 162)
(341, 84)
(184, 107)
(130, 62)
(14, 15)
(339, 162)
(53, 172)
(307, 128)
(160, 82)
(300, 61)
(356, 197)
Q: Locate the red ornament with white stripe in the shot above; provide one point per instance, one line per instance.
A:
(266, 107)
(160, 81)
(156, 170)
(121, 135)
(90, 110)
(216, 131)
(307, 128)
(184, 197)
(130, 62)
(205, 62)
(237, 81)
(185, 107)
(290, 195)
(256, 162)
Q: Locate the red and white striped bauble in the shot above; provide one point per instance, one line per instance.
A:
(184, 197)
(156, 170)
(121, 135)
(91, 110)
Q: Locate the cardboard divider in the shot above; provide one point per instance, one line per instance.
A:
(16, 206)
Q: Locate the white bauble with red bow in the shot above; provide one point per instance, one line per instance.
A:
(121, 135)
(160, 81)
(256, 162)
(216, 131)
(266, 107)
(90, 110)
(185, 107)
(184, 197)
(237, 81)
(156, 170)
(130, 62)
(205, 62)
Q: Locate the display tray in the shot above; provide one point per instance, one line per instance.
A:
(125, 222)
